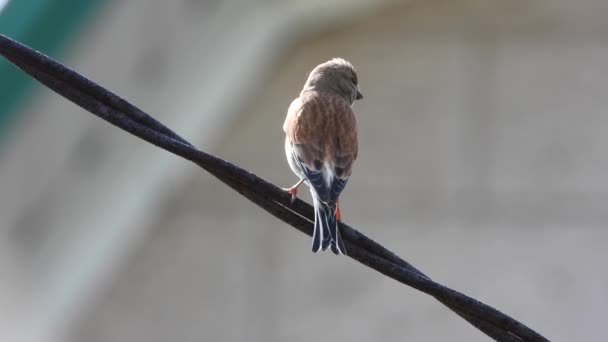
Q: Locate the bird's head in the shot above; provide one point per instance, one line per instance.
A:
(337, 76)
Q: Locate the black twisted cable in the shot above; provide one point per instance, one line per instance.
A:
(274, 200)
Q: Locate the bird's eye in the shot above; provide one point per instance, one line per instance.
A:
(354, 81)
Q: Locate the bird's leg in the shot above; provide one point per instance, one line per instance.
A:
(338, 213)
(294, 190)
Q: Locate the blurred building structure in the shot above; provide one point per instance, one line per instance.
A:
(482, 161)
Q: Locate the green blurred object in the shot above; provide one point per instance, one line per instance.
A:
(46, 26)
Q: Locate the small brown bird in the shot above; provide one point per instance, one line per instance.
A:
(321, 144)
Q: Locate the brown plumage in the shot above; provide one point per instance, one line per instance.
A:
(321, 143)
(325, 129)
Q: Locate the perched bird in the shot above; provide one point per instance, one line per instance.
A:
(321, 144)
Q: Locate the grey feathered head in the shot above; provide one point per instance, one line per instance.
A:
(337, 76)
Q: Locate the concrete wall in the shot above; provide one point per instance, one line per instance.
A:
(481, 161)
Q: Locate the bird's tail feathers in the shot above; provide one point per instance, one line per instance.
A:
(326, 233)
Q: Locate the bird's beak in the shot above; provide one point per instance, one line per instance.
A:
(359, 94)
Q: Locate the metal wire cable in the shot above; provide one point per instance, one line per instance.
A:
(110, 107)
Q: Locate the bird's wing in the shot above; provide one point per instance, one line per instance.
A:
(323, 134)
(342, 147)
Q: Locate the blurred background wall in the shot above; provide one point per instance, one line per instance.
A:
(482, 161)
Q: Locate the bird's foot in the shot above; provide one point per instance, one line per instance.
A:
(338, 213)
(293, 191)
